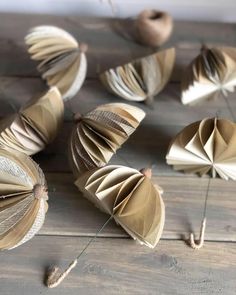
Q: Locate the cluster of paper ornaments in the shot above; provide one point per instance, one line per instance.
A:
(23, 198)
(98, 134)
(211, 73)
(35, 125)
(205, 146)
(141, 79)
(130, 197)
(62, 59)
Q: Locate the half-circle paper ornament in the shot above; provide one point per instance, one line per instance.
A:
(35, 125)
(62, 59)
(130, 197)
(205, 146)
(99, 133)
(211, 73)
(23, 198)
(141, 79)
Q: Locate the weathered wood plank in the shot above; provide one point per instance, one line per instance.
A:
(106, 48)
(119, 266)
(183, 196)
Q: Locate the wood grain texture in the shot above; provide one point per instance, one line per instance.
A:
(119, 266)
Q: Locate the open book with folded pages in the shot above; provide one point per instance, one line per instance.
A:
(130, 197)
(141, 79)
(210, 74)
(205, 146)
(35, 125)
(23, 198)
(98, 134)
(62, 59)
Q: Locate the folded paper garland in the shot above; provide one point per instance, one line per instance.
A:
(204, 146)
(23, 198)
(141, 79)
(130, 197)
(62, 59)
(35, 125)
(99, 133)
(211, 73)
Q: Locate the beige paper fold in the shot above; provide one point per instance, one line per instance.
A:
(23, 198)
(141, 79)
(35, 125)
(99, 133)
(135, 203)
(211, 73)
(62, 60)
(205, 146)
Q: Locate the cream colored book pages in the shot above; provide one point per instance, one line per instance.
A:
(99, 133)
(23, 198)
(35, 126)
(205, 146)
(135, 203)
(62, 59)
(140, 79)
(210, 74)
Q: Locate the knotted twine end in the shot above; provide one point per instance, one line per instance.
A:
(77, 117)
(198, 245)
(55, 277)
(40, 192)
(146, 172)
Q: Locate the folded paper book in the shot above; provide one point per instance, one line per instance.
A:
(35, 125)
(130, 197)
(205, 146)
(141, 79)
(99, 133)
(62, 59)
(211, 73)
(23, 198)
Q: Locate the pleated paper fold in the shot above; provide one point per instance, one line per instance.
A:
(62, 60)
(130, 197)
(23, 198)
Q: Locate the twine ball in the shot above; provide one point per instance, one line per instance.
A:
(153, 28)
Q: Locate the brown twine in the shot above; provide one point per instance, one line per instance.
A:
(40, 192)
(55, 277)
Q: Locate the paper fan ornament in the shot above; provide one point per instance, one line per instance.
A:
(99, 133)
(141, 79)
(23, 199)
(62, 59)
(211, 73)
(129, 197)
(203, 147)
(34, 126)
(206, 146)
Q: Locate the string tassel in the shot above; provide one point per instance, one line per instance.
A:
(198, 245)
(55, 277)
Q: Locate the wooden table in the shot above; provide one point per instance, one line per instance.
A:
(115, 264)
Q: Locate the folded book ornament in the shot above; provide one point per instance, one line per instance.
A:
(141, 79)
(35, 125)
(98, 134)
(129, 197)
(211, 73)
(23, 198)
(62, 59)
(203, 147)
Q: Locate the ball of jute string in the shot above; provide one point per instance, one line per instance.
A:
(153, 28)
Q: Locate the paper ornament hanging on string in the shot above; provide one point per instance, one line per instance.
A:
(211, 73)
(205, 146)
(23, 198)
(62, 59)
(130, 197)
(35, 125)
(99, 133)
(141, 79)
